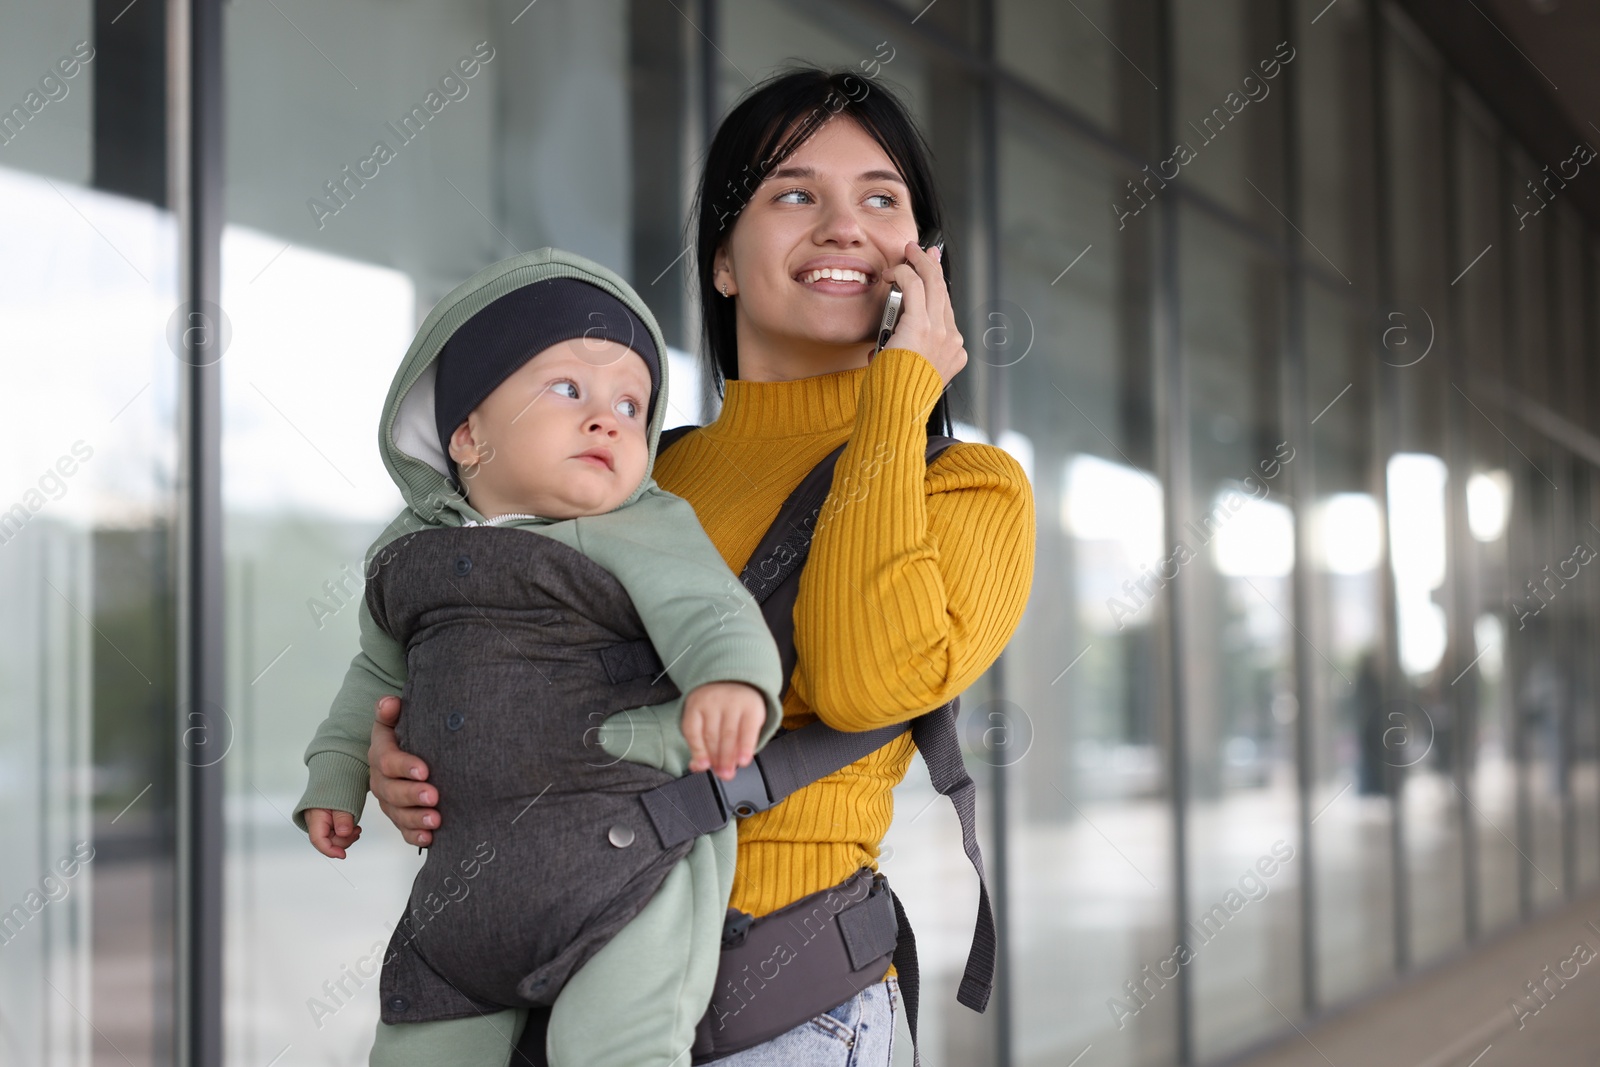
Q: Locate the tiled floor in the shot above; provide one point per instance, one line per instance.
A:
(1459, 1014)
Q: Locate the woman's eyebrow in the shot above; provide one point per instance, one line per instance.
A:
(864, 176)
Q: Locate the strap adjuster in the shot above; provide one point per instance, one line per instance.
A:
(746, 794)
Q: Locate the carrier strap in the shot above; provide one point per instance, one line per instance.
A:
(701, 803)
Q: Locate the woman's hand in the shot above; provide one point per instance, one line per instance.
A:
(927, 322)
(398, 779)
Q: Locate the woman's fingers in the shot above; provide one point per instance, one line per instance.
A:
(402, 795)
(927, 322)
(935, 293)
(408, 820)
(388, 710)
(383, 751)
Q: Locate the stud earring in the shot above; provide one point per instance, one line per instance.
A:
(724, 288)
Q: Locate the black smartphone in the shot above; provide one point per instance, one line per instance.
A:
(891, 308)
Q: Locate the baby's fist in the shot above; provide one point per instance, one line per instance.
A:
(332, 831)
(721, 721)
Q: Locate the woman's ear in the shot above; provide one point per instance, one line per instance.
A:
(722, 273)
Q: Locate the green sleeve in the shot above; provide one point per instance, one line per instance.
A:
(704, 623)
(337, 755)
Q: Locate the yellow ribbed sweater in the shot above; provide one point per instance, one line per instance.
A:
(917, 578)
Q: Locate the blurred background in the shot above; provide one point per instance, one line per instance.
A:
(1288, 308)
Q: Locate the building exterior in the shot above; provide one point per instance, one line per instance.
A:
(1288, 308)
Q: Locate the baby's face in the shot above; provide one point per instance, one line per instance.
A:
(525, 449)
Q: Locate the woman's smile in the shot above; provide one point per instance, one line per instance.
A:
(837, 276)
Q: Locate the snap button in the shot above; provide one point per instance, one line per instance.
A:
(620, 836)
(398, 1004)
(455, 720)
(463, 565)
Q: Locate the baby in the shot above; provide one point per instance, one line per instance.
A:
(532, 590)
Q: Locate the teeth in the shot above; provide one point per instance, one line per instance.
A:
(836, 274)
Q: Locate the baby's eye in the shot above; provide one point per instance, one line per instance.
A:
(631, 405)
(566, 382)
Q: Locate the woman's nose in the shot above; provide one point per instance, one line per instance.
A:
(840, 225)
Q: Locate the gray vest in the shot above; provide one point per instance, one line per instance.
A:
(544, 851)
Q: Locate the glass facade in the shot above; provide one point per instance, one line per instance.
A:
(1303, 697)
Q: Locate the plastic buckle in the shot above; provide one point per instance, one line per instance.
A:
(735, 927)
(746, 794)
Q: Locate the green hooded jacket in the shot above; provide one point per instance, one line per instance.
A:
(701, 619)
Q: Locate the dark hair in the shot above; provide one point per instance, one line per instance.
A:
(765, 128)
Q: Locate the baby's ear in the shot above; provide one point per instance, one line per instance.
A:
(464, 449)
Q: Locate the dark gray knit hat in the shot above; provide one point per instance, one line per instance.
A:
(490, 346)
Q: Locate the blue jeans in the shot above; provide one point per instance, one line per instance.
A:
(857, 1033)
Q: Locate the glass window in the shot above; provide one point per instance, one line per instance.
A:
(1568, 365)
(1489, 775)
(1584, 731)
(1535, 674)
(1479, 273)
(1091, 825)
(1236, 549)
(1493, 752)
(1096, 56)
(761, 37)
(1334, 66)
(88, 664)
(1529, 365)
(1230, 114)
(1353, 773)
(1421, 704)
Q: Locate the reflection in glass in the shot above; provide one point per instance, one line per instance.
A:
(1352, 782)
(1417, 553)
(88, 701)
(1238, 656)
(1090, 823)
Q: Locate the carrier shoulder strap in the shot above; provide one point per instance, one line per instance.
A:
(701, 803)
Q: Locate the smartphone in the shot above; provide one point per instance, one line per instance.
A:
(891, 308)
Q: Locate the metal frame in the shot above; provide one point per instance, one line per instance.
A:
(196, 133)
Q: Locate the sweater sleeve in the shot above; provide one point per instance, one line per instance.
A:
(918, 574)
(336, 758)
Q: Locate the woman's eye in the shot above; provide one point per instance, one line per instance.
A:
(801, 194)
(888, 199)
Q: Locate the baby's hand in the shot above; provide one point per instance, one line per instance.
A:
(721, 721)
(332, 831)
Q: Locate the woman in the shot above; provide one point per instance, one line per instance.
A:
(814, 192)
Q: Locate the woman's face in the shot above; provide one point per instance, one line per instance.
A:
(808, 257)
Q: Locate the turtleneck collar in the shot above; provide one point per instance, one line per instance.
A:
(806, 407)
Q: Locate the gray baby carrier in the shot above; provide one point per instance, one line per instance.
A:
(511, 665)
(781, 969)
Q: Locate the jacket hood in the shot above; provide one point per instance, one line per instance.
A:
(407, 433)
